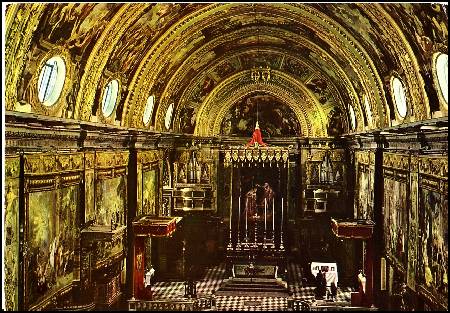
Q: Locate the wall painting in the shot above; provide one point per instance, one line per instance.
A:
(51, 239)
(433, 240)
(150, 192)
(11, 243)
(395, 219)
(110, 200)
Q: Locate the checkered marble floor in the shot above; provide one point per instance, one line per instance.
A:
(214, 277)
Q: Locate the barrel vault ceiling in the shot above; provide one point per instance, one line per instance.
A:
(323, 59)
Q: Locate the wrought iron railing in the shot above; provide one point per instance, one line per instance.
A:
(198, 304)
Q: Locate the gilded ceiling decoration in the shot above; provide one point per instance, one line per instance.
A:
(331, 56)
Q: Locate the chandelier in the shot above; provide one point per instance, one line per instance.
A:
(259, 73)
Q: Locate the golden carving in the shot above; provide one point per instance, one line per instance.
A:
(185, 69)
(43, 163)
(145, 157)
(58, 108)
(398, 44)
(127, 15)
(365, 157)
(337, 155)
(396, 161)
(301, 101)
(89, 160)
(111, 159)
(152, 64)
(19, 33)
(12, 166)
(434, 166)
(254, 155)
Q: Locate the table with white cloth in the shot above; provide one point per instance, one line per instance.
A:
(330, 270)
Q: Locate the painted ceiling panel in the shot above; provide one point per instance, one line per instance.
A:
(335, 54)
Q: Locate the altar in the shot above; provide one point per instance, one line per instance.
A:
(258, 207)
(259, 271)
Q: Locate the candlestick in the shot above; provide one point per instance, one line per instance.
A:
(281, 226)
(230, 245)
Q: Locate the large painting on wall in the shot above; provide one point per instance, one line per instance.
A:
(149, 192)
(11, 244)
(433, 240)
(395, 219)
(51, 236)
(275, 118)
(110, 200)
(365, 194)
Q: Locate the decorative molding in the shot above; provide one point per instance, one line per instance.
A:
(396, 161)
(252, 155)
(127, 15)
(433, 166)
(145, 157)
(56, 109)
(47, 164)
(20, 32)
(12, 166)
(210, 114)
(108, 159)
(396, 41)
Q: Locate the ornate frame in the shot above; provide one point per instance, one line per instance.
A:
(57, 109)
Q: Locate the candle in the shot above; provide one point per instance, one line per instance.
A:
(246, 213)
(273, 214)
(265, 213)
(231, 209)
(282, 210)
(239, 214)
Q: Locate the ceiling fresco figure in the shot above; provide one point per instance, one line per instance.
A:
(275, 118)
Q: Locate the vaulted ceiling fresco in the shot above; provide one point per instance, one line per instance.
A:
(324, 60)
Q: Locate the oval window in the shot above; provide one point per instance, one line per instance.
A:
(110, 97)
(399, 97)
(51, 80)
(352, 117)
(148, 109)
(442, 74)
(168, 119)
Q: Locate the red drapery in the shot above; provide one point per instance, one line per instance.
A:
(256, 138)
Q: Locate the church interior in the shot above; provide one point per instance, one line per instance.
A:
(225, 156)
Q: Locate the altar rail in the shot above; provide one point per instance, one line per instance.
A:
(199, 304)
(302, 305)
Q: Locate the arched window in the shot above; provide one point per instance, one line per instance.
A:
(399, 95)
(110, 97)
(368, 110)
(441, 74)
(168, 119)
(51, 80)
(148, 111)
(352, 118)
